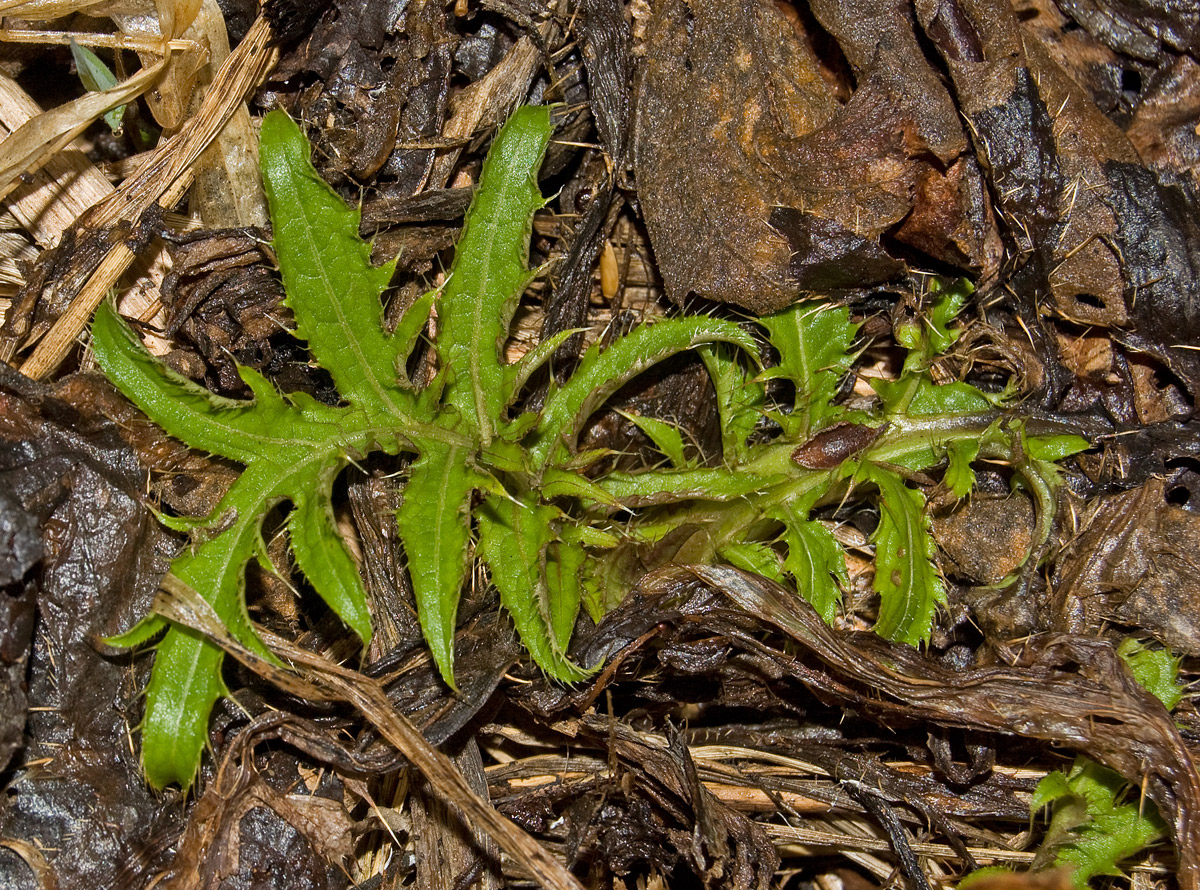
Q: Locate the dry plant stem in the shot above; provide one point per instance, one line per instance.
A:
(163, 179)
(325, 681)
(106, 41)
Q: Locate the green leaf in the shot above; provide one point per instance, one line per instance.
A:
(1157, 670)
(666, 437)
(740, 400)
(602, 373)
(814, 559)
(931, 335)
(565, 571)
(513, 538)
(489, 271)
(813, 341)
(1092, 827)
(1054, 448)
(905, 576)
(97, 77)
(923, 398)
(753, 557)
(960, 478)
(185, 683)
(325, 561)
(332, 287)
(434, 525)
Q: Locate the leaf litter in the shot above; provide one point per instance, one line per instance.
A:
(726, 728)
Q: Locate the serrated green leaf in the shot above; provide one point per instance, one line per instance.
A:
(325, 561)
(813, 341)
(434, 526)
(740, 400)
(185, 683)
(513, 537)
(332, 287)
(814, 559)
(489, 271)
(931, 334)
(564, 585)
(1157, 670)
(905, 576)
(1092, 827)
(602, 373)
(960, 478)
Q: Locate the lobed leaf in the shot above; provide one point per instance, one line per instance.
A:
(905, 576)
(332, 287)
(489, 271)
(814, 344)
(815, 560)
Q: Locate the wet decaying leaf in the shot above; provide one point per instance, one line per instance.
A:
(378, 74)
(1092, 225)
(1069, 690)
(1065, 689)
(770, 186)
(102, 556)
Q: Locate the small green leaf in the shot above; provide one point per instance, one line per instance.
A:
(666, 437)
(1092, 827)
(813, 340)
(325, 561)
(513, 537)
(565, 570)
(97, 77)
(185, 683)
(1155, 669)
(815, 560)
(960, 478)
(924, 398)
(740, 400)
(1054, 448)
(753, 557)
(905, 576)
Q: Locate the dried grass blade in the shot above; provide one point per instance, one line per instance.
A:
(32, 144)
(163, 179)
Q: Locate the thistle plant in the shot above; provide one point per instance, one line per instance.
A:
(490, 481)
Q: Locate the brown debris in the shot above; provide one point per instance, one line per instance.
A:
(1133, 561)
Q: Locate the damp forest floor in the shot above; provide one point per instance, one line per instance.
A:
(725, 158)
